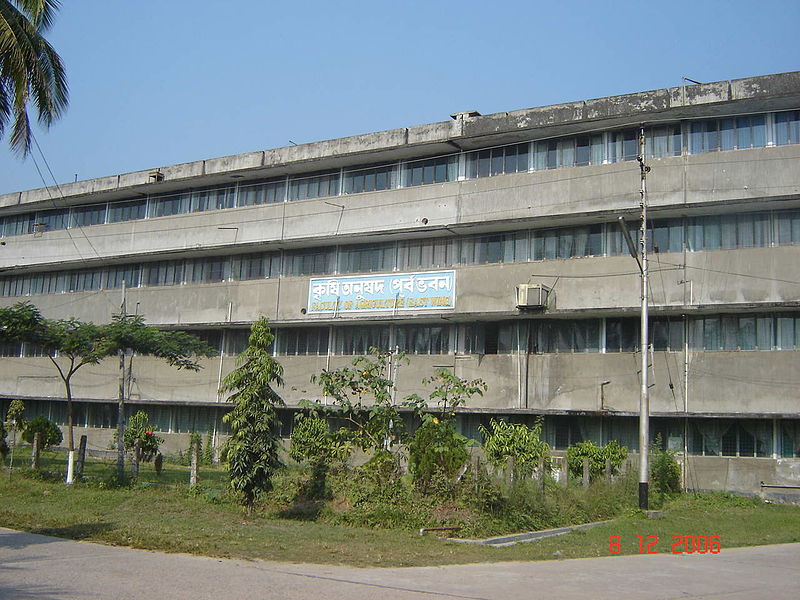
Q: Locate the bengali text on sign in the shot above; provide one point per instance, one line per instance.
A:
(392, 292)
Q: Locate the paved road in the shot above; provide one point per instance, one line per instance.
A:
(35, 567)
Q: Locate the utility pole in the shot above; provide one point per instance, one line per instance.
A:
(121, 403)
(644, 398)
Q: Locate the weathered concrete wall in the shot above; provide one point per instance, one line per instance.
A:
(539, 199)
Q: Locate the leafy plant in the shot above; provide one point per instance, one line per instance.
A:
(15, 417)
(362, 397)
(251, 452)
(597, 456)
(208, 449)
(504, 441)
(437, 449)
(49, 432)
(665, 474)
(140, 428)
(312, 441)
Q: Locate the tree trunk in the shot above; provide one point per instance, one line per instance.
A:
(135, 461)
(121, 421)
(70, 436)
(35, 451)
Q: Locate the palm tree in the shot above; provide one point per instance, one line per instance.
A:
(30, 69)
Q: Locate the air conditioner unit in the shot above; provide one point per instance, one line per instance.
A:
(532, 295)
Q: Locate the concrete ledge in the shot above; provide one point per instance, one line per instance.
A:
(532, 536)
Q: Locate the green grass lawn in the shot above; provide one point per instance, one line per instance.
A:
(170, 518)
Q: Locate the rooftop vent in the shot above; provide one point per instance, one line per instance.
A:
(465, 114)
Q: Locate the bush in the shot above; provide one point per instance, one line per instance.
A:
(597, 458)
(517, 441)
(139, 428)
(49, 432)
(665, 475)
(436, 450)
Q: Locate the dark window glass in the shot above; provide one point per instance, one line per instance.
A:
(126, 211)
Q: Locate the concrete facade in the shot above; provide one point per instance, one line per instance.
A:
(719, 397)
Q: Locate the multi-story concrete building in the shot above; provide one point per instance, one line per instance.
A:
(425, 238)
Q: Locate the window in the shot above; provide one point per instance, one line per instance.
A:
(370, 179)
(744, 332)
(175, 204)
(207, 270)
(84, 216)
(19, 224)
(498, 338)
(424, 339)
(126, 211)
(567, 336)
(313, 261)
(314, 186)
(235, 341)
(367, 259)
(434, 170)
(52, 220)
(729, 231)
(787, 127)
(727, 134)
(169, 272)
(623, 145)
(302, 341)
(727, 437)
(358, 340)
(661, 142)
(483, 249)
(213, 199)
(130, 274)
(85, 280)
(788, 227)
(567, 242)
(426, 254)
(262, 193)
(256, 266)
(497, 161)
(622, 335)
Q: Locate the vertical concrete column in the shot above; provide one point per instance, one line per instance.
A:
(194, 469)
(564, 479)
(586, 472)
(81, 457)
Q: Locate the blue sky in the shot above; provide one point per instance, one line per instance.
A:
(157, 83)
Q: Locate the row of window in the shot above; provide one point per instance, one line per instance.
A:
(706, 437)
(691, 137)
(745, 230)
(780, 331)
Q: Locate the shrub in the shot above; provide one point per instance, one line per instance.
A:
(665, 475)
(597, 456)
(436, 448)
(49, 432)
(139, 428)
(514, 440)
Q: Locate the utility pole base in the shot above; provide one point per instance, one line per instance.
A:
(643, 496)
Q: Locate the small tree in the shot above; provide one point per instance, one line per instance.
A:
(362, 397)
(71, 344)
(504, 440)
(49, 433)
(437, 448)
(251, 453)
(16, 423)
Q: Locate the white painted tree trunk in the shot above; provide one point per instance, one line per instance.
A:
(71, 467)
